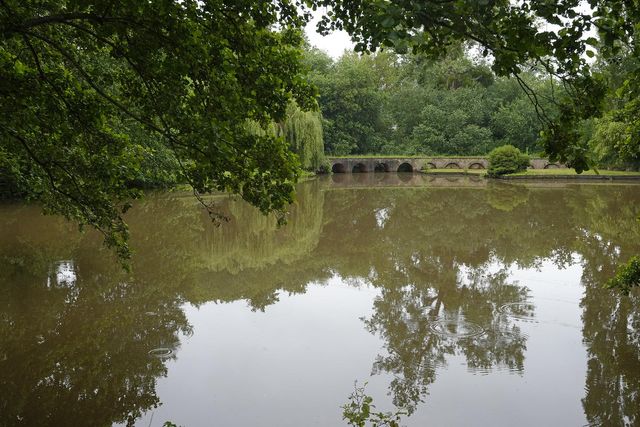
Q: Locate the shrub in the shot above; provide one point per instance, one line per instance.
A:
(507, 159)
(359, 411)
(627, 277)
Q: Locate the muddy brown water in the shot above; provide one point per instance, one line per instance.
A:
(464, 302)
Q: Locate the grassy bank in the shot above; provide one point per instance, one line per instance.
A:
(567, 173)
(571, 172)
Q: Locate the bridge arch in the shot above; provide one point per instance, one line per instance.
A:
(551, 166)
(476, 165)
(452, 165)
(338, 168)
(431, 165)
(405, 167)
(381, 167)
(359, 168)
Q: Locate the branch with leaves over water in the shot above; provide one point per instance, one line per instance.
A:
(359, 412)
(96, 96)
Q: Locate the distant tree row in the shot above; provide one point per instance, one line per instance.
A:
(386, 103)
(391, 104)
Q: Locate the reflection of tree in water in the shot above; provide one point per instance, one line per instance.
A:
(611, 323)
(179, 232)
(423, 324)
(76, 335)
(507, 197)
(77, 351)
(612, 335)
(426, 310)
(415, 257)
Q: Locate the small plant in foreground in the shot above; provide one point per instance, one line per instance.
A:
(627, 277)
(507, 159)
(359, 411)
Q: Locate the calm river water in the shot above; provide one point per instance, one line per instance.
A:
(466, 303)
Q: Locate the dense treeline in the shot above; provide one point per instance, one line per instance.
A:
(386, 103)
(392, 104)
(614, 138)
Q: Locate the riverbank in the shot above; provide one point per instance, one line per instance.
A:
(545, 174)
(571, 174)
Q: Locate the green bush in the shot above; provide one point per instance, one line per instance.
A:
(359, 411)
(507, 159)
(627, 277)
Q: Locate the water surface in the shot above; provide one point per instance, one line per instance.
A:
(465, 303)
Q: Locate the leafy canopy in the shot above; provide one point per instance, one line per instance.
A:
(90, 90)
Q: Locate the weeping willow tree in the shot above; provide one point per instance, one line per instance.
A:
(303, 131)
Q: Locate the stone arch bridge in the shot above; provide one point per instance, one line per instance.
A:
(416, 164)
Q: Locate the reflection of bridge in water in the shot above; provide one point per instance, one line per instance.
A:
(414, 164)
(401, 179)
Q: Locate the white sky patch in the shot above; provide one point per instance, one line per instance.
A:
(585, 9)
(382, 215)
(334, 44)
(467, 276)
(65, 274)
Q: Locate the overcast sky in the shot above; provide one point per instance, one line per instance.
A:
(334, 44)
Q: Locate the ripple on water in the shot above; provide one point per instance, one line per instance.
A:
(518, 310)
(451, 328)
(502, 368)
(161, 352)
(431, 365)
(513, 334)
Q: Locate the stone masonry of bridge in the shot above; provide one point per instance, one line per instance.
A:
(415, 164)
